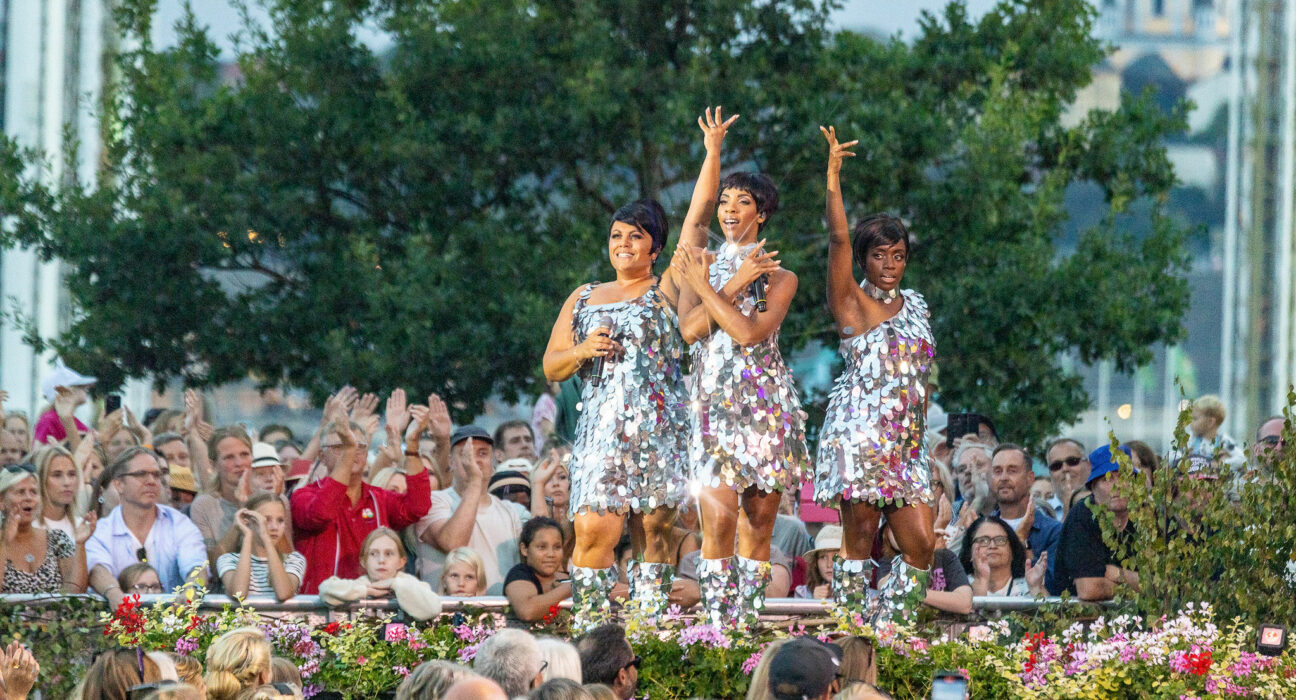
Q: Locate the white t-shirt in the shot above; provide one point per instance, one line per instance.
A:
(1015, 522)
(259, 581)
(64, 524)
(494, 538)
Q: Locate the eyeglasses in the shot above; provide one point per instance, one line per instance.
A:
(146, 475)
(543, 666)
(636, 662)
(1069, 461)
(1272, 440)
(146, 588)
(986, 541)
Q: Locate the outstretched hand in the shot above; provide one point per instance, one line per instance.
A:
(836, 151)
(714, 128)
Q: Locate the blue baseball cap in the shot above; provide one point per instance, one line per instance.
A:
(1102, 462)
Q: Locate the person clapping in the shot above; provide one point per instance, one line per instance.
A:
(258, 567)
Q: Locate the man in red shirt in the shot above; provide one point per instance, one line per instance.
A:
(332, 516)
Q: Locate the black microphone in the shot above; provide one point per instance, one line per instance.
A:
(757, 289)
(596, 371)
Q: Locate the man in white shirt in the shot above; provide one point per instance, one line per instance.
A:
(467, 515)
(141, 530)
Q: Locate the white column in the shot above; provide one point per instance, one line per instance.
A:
(1283, 307)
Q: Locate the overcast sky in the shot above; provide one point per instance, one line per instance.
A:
(887, 16)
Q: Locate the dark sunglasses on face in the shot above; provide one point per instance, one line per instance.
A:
(1272, 440)
(505, 491)
(1069, 461)
(636, 662)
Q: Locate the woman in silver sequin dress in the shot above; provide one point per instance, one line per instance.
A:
(748, 437)
(629, 456)
(872, 458)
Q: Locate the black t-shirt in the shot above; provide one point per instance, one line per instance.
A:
(523, 572)
(1081, 551)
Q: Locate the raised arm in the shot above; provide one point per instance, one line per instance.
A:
(693, 233)
(841, 278)
(563, 357)
(745, 330)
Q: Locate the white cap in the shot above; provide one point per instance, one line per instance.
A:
(62, 376)
(517, 464)
(937, 418)
(265, 455)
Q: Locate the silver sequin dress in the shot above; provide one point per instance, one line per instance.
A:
(749, 429)
(630, 447)
(871, 448)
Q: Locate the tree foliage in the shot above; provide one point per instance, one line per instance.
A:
(414, 216)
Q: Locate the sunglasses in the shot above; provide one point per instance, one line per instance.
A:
(510, 490)
(1069, 461)
(1271, 440)
(142, 555)
(636, 662)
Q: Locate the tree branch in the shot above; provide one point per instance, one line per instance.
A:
(588, 191)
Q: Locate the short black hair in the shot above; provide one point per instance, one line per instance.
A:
(1013, 447)
(759, 186)
(879, 229)
(277, 428)
(604, 651)
(647, 215)
(1014, 543)
(535, 525)
(499, 432)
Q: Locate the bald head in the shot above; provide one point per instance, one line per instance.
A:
(476, 688)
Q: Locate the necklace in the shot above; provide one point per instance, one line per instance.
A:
(29, 558)
(884, 296)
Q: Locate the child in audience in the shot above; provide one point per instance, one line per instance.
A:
(532, 586)
(383, 558)
(258, 567)
(819, 564)
(139, 579)
(464, 575)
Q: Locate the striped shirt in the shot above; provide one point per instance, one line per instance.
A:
(259, 582)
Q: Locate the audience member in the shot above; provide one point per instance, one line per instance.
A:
(510, 486)
(139, 579)
(333, 516)
(804, 669)
(1269, 437)
(213, 513)
(117, 436)
(759, 688)
(60, 484)
(466, 515)
(949, 589)
(790, 534)
(11, 449)
(142, 530)
(267, 472)
(275, 432)
(37, 560)
(532, 586)
(271, 691)
(560, 689)
(183, 487)
(972, 471)
(190, 671)
(66, 390)
(258, 566)
(430, 680)
(17, 425)
(1012, 478)
(1204, 436)
(600, 691)
(559, 659)
(1086, 566)
(995, 560)
(819, 564)
(475, 688)
(1045, 498)
(607, 658)
(1144, 458)
(858, 660)
(1069, 468)
(237, 660)
(284, 671)
(511, 658)
(116, 671)
(164, 420)
(544, 414)
(19, 670)
(514, 439)
(464, 575)
(383, 558)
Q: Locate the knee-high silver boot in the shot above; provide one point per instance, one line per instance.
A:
(650, 585)
(850, 585)
(590, 590)
(716, 579)
(749, 600)
(903, 592)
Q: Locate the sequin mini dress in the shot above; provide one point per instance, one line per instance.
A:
(749, 429)
(871, 447)
(630, 449)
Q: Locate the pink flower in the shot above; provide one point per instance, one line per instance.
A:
(749, 666)
(403, 671)
(362, 660)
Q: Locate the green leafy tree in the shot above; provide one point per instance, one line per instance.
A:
(415, 216)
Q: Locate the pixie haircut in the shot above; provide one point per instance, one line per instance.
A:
(648, 216)
(878, 230)
(759, 186)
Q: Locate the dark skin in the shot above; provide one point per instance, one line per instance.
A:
(856, 313)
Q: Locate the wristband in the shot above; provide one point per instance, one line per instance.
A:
(411, 454)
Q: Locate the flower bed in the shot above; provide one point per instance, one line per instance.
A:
(1187, 656)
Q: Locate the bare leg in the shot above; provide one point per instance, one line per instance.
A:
(719, 510)
(912, 527)
(650, 533)
(859, 529)
(596, 539)
(756, 523)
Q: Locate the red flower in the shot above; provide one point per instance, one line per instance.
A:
(551, 615)
(332, 628)
(1199, 663)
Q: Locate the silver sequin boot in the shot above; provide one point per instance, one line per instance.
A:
(850, 585)
(716, 579)
(650, 585)
(903, 592)
(590, 604)
(753, 576)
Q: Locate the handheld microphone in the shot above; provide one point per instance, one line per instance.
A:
(757, 289)
(596, 371)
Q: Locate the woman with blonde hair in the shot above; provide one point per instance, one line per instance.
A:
(236, 661)
(561, 660)
(189, 670)
(60, 484)
(36, 560)
(759, 688)
(115, 672)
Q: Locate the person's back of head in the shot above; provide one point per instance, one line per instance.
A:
(236, 661)
(271, 691)
(116, 671)
(561, 659)
(862, 691)
(561, 689)
(604, 652)
(759, 687)
(173, 690)
(804, 668)
(431, 679)
(475, 688)
(599, 691)
(511, 658)
(858, 660)
(284, 671)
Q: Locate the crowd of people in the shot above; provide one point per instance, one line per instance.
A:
(630, 481)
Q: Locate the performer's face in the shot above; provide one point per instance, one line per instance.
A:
(630, 248)
(736, 212)
(885, 264)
